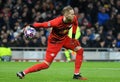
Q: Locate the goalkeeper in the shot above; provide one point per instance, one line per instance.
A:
(68, 52)
(57, 39)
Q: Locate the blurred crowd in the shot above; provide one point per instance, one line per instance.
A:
(99, 21)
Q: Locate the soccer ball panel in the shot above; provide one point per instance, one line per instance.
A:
(29, 32)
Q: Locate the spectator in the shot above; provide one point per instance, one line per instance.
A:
(90, 34)
(91, 13)
(102, 16)
(83, 30)
(85, 42)
(96, 41)
(86, 23)
(114, 44)
(117, 23)
(43, 42)
(113, 25)
(117, 5)
(108, 40)
(101, 44)
(1, 20)
(118, 41)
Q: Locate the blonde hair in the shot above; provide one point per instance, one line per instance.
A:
(66, 9)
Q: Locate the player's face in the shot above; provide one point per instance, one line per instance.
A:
(69, 15)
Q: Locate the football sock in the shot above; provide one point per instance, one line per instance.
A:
(36, 67)
(78, 61)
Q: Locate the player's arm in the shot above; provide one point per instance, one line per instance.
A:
(75, 24)
(51, 23)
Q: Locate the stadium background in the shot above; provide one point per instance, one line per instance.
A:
(99, 21)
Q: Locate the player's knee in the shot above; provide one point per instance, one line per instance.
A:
(47, 64)
(80, 50)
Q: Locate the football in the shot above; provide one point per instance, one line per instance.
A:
(29, 32)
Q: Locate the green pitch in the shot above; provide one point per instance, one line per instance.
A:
(62, 72)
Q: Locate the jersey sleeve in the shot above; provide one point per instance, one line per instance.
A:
(75, 24)
(52, 23)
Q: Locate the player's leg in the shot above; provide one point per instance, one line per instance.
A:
(79, 59)
(51, 53)
(75, 45)
(34, 68)
(37, 67)
(78, 62)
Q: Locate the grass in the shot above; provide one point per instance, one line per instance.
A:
(62, 72)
